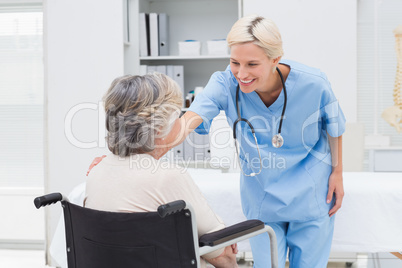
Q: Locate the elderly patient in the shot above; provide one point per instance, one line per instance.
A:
(140, 111)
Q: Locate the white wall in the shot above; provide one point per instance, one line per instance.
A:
(83, 54)
(321, 34)
(21, 224)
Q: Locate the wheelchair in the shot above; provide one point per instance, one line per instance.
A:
(166, 238)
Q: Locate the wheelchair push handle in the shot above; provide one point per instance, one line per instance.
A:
(170, 208)
(48, 199)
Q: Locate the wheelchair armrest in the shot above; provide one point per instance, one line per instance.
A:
(171, 207)
(231, 232)
(48, 199)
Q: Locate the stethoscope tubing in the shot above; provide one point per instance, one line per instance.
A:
(239, 119)
(285, 101)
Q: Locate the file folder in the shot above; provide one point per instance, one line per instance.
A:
(169, 71)
(188, 148)
(199, 146)
(151, 69)
(144, 35)
(178, 76)
(143, 69)
(163, 22)
(207, 148)
(179, 153)
(154, 35)
(161, 69)
(126, 23)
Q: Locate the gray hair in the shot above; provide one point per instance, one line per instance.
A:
(138, 110)
(259, 31)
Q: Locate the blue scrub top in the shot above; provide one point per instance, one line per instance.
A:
(293, 184)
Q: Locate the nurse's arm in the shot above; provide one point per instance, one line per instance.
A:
(181, 129)
(335, 185)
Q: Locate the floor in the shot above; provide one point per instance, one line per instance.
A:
(22, 258)
(36, 259)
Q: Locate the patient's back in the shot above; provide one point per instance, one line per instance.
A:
(140, 183)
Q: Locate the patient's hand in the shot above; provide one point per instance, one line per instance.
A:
(227, 259)
(96, 161)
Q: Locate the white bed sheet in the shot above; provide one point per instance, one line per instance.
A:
(370, 219)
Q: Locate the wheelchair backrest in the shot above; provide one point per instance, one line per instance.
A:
(101, 239)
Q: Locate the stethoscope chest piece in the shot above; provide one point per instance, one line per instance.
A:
(277, 140)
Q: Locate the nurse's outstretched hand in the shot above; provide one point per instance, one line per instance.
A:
(335, 187)
(96, 161)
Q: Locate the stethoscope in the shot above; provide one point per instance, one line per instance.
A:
(277, 139)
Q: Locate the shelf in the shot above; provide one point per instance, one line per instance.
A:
(178, 1)
(201, 57)
(379, 148)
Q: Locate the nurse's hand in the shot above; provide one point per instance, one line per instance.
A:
(182, 127)
(96, 161)
(335, 187)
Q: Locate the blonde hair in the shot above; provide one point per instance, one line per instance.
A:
(138, 110)
(260, 31)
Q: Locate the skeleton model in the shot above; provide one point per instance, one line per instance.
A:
(393, 114)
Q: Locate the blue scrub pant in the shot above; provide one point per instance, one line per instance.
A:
(309, 244)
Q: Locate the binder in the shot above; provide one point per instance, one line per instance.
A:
(163, 22)
(143, 69)
(179, 153)
(169, 71)
(151, 69)
(199, 146)
(178, 76)
(126, 26)
(188, 148)
(153, 34)
(161, 69)
(144, 35)
(207, 150)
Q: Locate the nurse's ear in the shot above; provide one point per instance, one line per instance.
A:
(275, 62)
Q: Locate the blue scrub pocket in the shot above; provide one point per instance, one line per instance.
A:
(320, 173)
(292, 198)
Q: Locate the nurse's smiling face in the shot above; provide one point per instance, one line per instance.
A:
(253, 69)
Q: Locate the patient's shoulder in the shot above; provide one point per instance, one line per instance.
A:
(178, 179)
(174, 174)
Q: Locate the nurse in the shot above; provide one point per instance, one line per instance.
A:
(298, 187)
